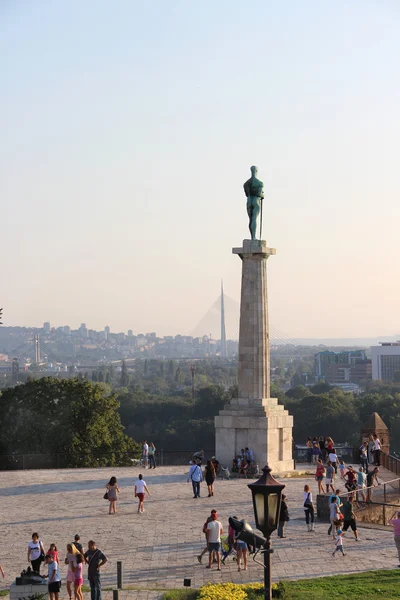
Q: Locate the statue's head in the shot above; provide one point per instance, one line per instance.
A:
(254, 171)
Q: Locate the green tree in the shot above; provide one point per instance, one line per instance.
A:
(71, 417)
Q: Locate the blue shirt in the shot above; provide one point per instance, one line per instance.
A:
(195, 473)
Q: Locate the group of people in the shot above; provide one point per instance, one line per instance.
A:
(244, 464)
(196, 475)
(74, 560)
(321, 447)
(213, 531)
(148, 455)
(112, 491)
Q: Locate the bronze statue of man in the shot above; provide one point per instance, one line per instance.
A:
(254, 190)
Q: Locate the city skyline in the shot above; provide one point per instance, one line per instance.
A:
(124, 155)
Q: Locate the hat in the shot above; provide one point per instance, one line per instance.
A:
(339, 531)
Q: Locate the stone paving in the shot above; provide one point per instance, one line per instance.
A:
(158, 548)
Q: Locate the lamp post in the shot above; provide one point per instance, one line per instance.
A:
(267, 494)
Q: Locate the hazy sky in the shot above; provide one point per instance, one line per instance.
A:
(128, 129)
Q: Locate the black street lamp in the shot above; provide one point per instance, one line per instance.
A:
(267, 495)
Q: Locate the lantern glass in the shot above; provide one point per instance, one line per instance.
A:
(273, 500)
(259, 501)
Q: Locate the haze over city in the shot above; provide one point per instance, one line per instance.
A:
(128, 132)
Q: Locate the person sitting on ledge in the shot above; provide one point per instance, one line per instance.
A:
(243, 468)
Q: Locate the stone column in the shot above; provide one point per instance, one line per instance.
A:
(254, 419)
(254, 353)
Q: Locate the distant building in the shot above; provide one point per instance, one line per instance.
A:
(46, 327)
(385, 360)
(130, 333)
(67, 330)
(83, 331)
(120, 338)
(326, 363)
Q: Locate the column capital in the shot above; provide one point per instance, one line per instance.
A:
(257, 248)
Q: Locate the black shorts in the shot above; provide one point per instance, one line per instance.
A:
(55, 587)
(351, 523)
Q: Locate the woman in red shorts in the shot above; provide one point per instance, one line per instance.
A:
(140, 488)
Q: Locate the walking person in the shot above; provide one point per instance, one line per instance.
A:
(283, 516)
(361, 484)
(330, 477)
(334, 515)
(242, 550)
(140, 489)
(54, 580)
(200, 556)
(71, 561)
(145, 453)
(377, 448)
(214, 532)
(95, 559)
(151, 455)
(338, 503)
(334, 459)
(319, 476)
(35, 552)
(339, 543)
(349, 517)
(308, 508)
(395, 523)
(78, 577)
(209, 476)
(231, 542)
(196, 477)
(309, 450)
(78, 545)
(364, 456)
(371, 449)
(372, 481)
(112, 492)
(315, 450)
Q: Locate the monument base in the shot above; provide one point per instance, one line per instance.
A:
(263, 426)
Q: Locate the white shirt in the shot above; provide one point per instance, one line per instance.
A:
(145, 449)
(140, 486)
(35, 550)
(333, 510)
(51, 568)
(333, 458)
(377, 444)
(214, 528)
(307, 495)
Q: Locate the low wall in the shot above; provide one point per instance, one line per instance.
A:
(377, 513)
(20, 592)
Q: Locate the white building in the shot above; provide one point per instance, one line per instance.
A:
(385, 360)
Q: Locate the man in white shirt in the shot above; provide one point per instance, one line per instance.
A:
(214, 532)
(196, 477)
(145, 454)
(377, 452)
(140, 489)
(333, 458)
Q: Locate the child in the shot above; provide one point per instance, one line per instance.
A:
(339, 543)
(342, 469)
(78, 579)
(53, 552)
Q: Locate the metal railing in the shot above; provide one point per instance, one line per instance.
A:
(163, 458)
(390, 462)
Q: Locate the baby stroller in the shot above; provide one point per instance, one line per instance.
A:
(225, 472)
(228, 549)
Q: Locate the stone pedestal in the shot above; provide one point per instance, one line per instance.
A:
(254, 419)
(23, 592)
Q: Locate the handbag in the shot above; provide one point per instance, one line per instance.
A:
(105, 496)
(307, 503)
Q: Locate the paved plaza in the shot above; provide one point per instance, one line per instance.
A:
(158, 548)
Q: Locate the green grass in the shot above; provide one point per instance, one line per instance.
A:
(360, 586)
(4, 593)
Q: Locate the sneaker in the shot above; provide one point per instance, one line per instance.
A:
(208, 567)
(223, 561)
(199, 558)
